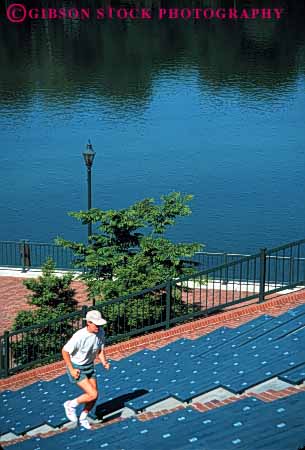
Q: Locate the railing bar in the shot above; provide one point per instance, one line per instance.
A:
(298, 262)
(213, 288)
(226, 283)
(234, 281)
(269, 272)
(247, 278)
(291, 267)
(200, 290)
(155, 305)
(283, 269)
(276, 266)
(285, 246)
(219, 290)
(187, 294)
(206, 294)
(118, 317)
(192, 294)
(124, 321)
(240, 279)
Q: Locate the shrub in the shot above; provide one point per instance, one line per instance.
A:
(54, 298)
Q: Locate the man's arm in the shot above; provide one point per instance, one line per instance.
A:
(74, 372)
(101, 356)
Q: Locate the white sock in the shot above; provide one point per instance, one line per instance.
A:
(83, 415)
(74, 403)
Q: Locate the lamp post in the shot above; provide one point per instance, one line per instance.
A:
(89, 155)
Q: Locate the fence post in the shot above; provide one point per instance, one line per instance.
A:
(5, 354)
(25, 255)
(168, 303)
(226, 280)
(262, 278)
(291, 270)
(84, 312)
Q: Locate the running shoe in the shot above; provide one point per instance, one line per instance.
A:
(85, 424)
(70, 411)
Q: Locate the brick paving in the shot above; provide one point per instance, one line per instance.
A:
(13, 298)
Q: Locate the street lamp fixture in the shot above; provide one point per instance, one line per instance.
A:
(89, 155)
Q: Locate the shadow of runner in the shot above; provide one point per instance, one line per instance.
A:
(105, 409)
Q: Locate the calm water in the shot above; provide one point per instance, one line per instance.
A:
(212, 109)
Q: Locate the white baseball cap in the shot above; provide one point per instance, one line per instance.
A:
(95, 317)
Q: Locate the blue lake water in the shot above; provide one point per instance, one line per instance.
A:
(217, 111)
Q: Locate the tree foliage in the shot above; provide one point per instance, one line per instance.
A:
(53, 297)
(129, 251)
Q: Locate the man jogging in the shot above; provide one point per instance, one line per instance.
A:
(79, 354)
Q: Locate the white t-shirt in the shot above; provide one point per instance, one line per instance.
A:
(84, 346)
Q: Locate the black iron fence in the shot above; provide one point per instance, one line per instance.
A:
(26, 255)
(207, 260)
(252, 277)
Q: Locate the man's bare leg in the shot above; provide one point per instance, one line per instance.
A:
(89, 386)
(89, 405)
(88, 399)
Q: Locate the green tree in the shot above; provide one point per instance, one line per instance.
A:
(129, 253)
(54, 298)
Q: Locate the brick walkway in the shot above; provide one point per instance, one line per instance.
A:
(13, 298)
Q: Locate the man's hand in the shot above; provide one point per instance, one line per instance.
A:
(103, 360)
(106, 365)
(75, 373)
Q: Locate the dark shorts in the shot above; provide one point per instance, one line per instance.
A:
(87, 371)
